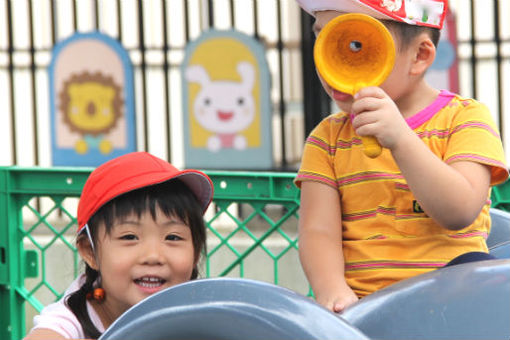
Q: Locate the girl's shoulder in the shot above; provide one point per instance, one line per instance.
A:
(60, 319)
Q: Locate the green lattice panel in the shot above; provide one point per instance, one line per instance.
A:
(252, 232)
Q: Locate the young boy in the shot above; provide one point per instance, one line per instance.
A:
(367, 223)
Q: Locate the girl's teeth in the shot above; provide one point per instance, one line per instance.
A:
(150, 282)
(149, 285)
(151, 279)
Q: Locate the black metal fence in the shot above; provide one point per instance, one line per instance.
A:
(155, 33)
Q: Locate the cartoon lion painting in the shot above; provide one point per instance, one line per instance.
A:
(91, 105)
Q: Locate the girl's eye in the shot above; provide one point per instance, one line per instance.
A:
(129, 237)
(173, 237)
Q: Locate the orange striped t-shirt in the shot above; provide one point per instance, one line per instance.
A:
(386, 235)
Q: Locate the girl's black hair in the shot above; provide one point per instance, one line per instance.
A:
(173, 198)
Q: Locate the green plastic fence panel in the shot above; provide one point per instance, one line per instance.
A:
(18, 188)
(500, 196)
(256, 190)
(251, 212)
(251, 224)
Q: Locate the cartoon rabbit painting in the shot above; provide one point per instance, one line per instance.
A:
(224, 107)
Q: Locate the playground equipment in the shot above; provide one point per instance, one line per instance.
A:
(467, 301)
(354, 51)
(499, 238)
(229, 309)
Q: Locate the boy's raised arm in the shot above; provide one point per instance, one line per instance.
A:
(452, 194)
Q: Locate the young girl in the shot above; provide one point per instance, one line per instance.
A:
(140, 230)
(366, 223)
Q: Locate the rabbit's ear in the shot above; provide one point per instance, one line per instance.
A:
(197, 74)
(247, 73)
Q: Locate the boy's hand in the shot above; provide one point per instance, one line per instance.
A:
(376, 114)
(339, 301)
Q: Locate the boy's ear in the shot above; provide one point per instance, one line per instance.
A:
(86, 252)
(424, 55)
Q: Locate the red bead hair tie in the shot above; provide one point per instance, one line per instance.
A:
(97, 294)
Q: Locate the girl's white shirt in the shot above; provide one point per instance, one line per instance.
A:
(59, 318)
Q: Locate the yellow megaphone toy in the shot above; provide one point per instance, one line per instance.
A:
(354, 51)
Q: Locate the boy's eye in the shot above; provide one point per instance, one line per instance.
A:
(173, 237)
(129, 237)
(355, 46)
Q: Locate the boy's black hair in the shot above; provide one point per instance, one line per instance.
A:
(406, 33)
(174, 198)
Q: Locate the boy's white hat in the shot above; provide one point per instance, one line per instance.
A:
(430, 13)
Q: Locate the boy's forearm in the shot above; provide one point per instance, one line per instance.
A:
(444, 193)
(323, 262)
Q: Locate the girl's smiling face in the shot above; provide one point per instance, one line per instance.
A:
(141, 256)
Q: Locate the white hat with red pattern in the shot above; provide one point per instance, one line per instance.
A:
(430, 13)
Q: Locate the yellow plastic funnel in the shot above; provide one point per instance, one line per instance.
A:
(354, 51)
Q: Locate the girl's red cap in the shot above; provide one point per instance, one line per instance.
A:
(134, 171)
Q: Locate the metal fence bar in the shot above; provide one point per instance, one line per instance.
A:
(75, 16)
(10, 67)
(95, 6)
(210, 13)
(143, 68)
(52, 27)
(232, 14)
(255, 20)
(281, 106)
(35, 130)
(186, 20)
(166, 85)
(474, 60)
(499, 61)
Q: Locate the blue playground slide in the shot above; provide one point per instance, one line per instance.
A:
(465, 301)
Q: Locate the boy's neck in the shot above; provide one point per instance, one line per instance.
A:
(416, 99)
